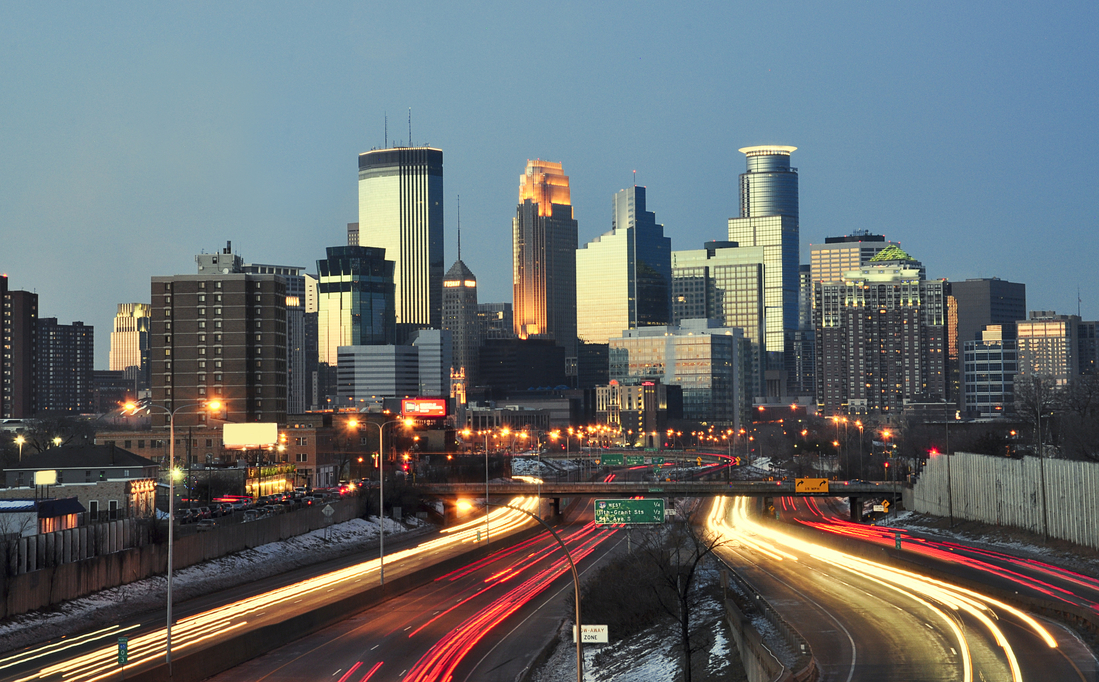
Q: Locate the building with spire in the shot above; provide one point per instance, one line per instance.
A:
(624, 276)
(544, 238)
(401, 211)
(460, 316)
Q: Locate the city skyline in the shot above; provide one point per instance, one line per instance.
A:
(135, 137)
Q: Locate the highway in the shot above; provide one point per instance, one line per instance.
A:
(867, 621)
(484, 622)
(93, 656)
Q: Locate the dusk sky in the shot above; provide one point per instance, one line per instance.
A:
(136, 135)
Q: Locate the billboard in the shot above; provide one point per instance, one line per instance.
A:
(250, 436)
(423, 408)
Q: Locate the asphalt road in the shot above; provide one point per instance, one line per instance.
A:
(485, 622)
(88, 656)
(866, 624)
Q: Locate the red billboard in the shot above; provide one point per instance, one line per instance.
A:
(423, 408)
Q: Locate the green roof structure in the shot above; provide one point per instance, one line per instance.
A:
(891, 253)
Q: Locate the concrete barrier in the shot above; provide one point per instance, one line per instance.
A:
(239, 648)
(47, 581)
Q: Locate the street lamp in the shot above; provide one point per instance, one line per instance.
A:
(133, 407)
(19, 440)
(354, 423)
(56, 441)
(575, 580)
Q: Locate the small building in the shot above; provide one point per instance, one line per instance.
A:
(26, 517)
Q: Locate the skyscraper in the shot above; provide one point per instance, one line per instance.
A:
(460, 318)
(130, 344)
(624, 276)
(355, 293)
(65, 380)
(298, 376)
(1049, 346)
(769, 218)
(830, 261)
(881, 339)
(544, 257)
(401, 211)
(18, 352)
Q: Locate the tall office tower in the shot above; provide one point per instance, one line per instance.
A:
(982, 302)
(706, 360)
(298, 377)
(769, 218)
(220, 334)
(19, 352)
(724, 282)
(311, 318)
(65, 380)
(624, 276)
(881, 340)
(544, 257)
(356, 303)
(990, 367)
(461, 320)
(830, 261)
(401, 211)
(803, 371)
(130, 344)
(495, 321)
(1048, 346)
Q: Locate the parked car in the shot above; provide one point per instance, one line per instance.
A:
(226, 508)
(251, 515)
(207, 524)
(204, 513)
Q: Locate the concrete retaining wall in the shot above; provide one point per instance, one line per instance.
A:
(54, 582)
(1008, 492)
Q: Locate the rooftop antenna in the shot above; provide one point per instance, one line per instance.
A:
(459, 227)
(385, 144)
(410, 126)
(1078, 301)
(635, 178)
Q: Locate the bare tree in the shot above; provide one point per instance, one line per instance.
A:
(677, 551)
(1036, 397)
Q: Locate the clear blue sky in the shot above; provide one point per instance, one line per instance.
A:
(135, 135)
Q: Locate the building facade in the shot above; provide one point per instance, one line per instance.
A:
(367, 374)
(990, 365)
(461, 320)
(706, 360)
(769, 219)
(19, 352)
(219, 335)
(724, 282)
(624, 276)
(881, 339)
(544, 239)
(130, 344)
(65, 377)
(401, 211)
(830, 261)
(297, 360)
(496, 321)
(355, 300)
(1048, 346)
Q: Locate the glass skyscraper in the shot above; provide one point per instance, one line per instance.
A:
(769, 218)
(623, 277)
(130, 343)
(401, 211)
(544, 257)
(355, 300)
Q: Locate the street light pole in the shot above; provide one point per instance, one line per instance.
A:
(381, 489)
(19, 440)
(211, 405)
(575, 583)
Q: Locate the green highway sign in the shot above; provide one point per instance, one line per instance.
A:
(609, 512)
(122, 650)
(610, 460)
(634, 460)
(658, 461)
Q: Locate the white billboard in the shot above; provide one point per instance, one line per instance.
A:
(250, 436)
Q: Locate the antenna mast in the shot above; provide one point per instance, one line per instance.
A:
(410, 126)
(459, 227)
(385, 143)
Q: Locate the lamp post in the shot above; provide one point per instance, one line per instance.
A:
(575, 582)
(381, 489)
(132, 407)
(19, 440)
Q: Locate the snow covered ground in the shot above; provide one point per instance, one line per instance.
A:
(116, 604)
